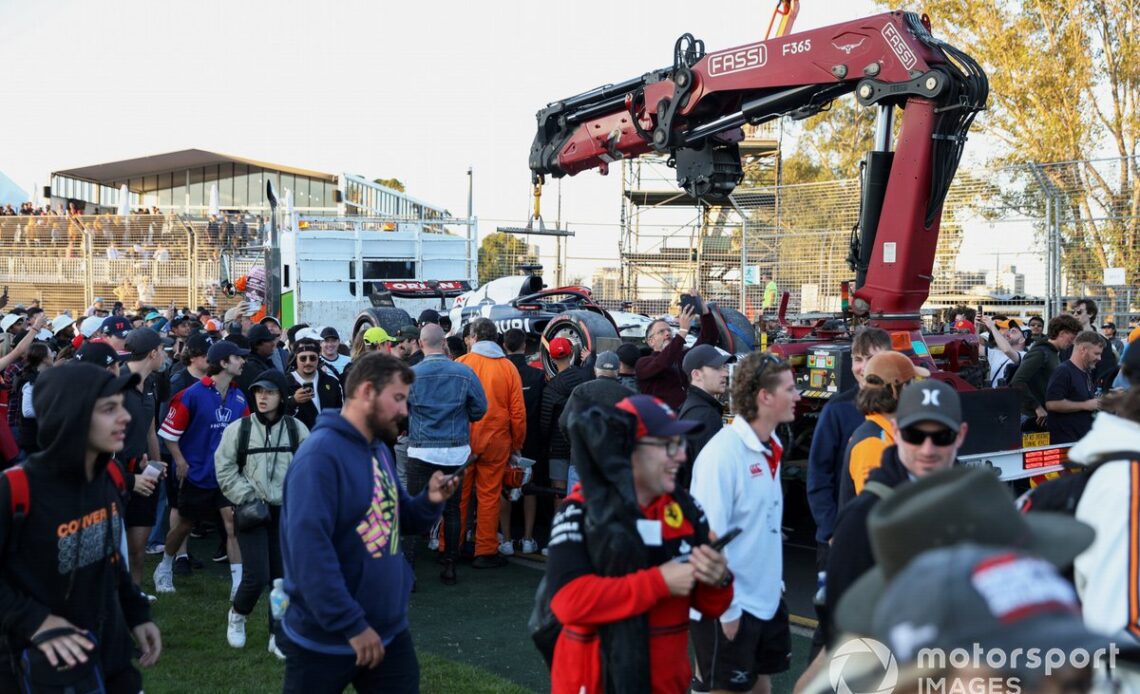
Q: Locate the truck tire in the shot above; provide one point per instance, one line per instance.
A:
(391, 319)
(588, 329)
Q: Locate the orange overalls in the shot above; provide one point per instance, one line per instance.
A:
(493, 438)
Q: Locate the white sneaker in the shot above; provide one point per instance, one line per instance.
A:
(149, 598)
(529, 546)
(163, 579)
(507, 548)
(274, 649)
(235, 631)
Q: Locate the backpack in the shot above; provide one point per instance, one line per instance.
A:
(1011, 368)
(245, 427)
(1064, 493)
(20, 498)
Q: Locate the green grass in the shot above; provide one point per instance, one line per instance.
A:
(197, 660)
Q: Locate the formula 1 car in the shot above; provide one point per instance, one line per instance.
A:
(524, 302)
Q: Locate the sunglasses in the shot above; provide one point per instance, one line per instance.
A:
(916, 437)
(671, 447)
(308, 358)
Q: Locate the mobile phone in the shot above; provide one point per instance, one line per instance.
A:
(459, 470)
(689, 301)
(716, 546)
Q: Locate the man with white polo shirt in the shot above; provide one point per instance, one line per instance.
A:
(736, 478)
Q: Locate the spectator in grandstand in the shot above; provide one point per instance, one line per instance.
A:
(587, 596)
(227, 236)
(251, 464)
(884, 378)
(928, 430)
(140, 443)
(534, 446)
(628, 353)
(554, 398)
(1071, 396)
(661, 374)
(213, 230)
(1032, 375)
(736, 479)
(316, 387)
(407, 345)
(67, 579)
(494, 438)
(443, 401)
(707, 369)
(192, 430)
(347, 582)
(330, 351)
(241, 231)
(1108, 331)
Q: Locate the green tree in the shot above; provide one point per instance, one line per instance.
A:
(393, 183)
(500, 255)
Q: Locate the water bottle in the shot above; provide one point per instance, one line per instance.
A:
(278, 599)
(821, 589)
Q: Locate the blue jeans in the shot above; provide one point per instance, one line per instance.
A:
(161, 519)
(309, 672)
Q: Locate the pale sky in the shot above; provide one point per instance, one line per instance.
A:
(415, 90)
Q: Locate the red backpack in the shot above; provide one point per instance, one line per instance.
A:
(20, 498)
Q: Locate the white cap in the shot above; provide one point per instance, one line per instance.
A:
(60, 322)
(90, 325)
(307, 334)
(9, 320)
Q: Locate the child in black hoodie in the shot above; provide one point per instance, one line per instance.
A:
(63, 569)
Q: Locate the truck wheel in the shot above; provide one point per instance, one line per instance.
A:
(584, 329)
(391, 319)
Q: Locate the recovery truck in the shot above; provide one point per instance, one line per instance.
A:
(693, 111)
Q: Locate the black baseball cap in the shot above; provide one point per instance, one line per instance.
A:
(220, 351)
(408, 332)
(98, 353)
(115, 326)
(705, 355)
(199, 342)
(628, 353)
(143, 341)
(271, 379)
(929, 401)
(258, 333)
(428, 315)
(655, 418)
(329, 332)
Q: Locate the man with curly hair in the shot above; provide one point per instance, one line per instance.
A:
(736, 478)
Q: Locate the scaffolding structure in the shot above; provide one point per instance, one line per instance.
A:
(671, 242)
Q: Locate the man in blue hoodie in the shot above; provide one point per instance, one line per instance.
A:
(344, 511)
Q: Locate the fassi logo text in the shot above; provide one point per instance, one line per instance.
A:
(738, 59)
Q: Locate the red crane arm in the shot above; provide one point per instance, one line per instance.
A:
(694, 110)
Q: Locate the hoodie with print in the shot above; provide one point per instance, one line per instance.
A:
(64, 558)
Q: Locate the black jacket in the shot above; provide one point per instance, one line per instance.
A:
(533, 382)
(326, 389)
(850, 556)
(254, 366)
(65, 559)
(554, 398)
(699, 406)
(600, 391)
(1032, 375)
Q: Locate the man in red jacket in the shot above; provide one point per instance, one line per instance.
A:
(584, 600)
(660, 374)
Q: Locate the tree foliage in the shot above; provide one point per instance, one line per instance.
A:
(393, 183)
(500, 255)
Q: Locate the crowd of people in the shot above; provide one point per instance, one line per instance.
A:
(325, 466)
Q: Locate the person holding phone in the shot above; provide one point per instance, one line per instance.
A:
(316, 388)
(683, 570)
(661, 374)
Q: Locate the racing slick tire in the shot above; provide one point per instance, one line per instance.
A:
(391, 319)
(584, 329)
(736, 334)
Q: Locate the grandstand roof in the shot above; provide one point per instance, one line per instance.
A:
(118, 171)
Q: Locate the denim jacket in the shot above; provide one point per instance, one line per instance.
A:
(444, 399)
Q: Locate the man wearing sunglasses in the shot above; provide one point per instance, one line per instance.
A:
(317, 389)
(928, 430)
